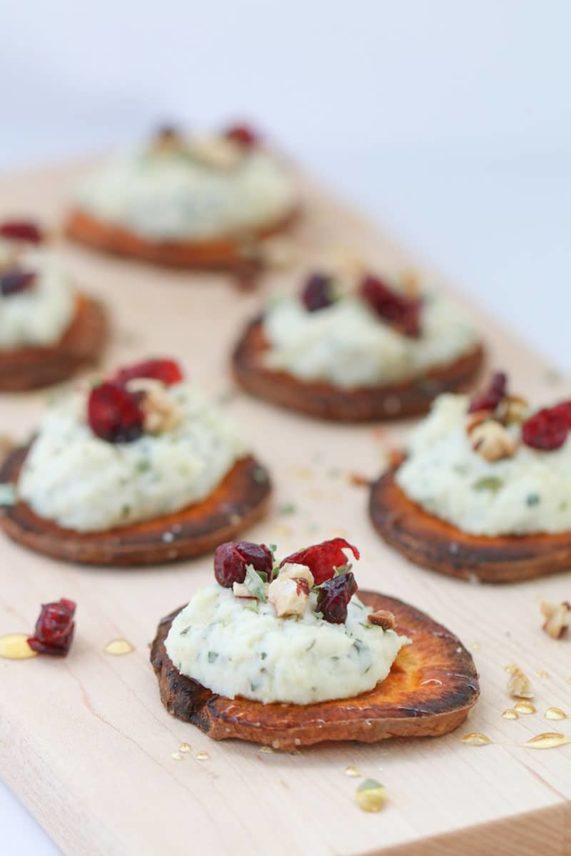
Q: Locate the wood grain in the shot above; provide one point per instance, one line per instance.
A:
(86, 743)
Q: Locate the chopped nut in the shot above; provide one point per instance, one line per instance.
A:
(512, 409)
(288, 596)
(519, 685)
(510, 713)
(293, 571)
(118, 647)
(160, 411)
(557, 618)
(216, 152)
(492, 441)
(383, 618)
(242, 590)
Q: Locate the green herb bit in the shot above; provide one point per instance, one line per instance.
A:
(212, 656)
(490, 483)
(532, 499)
(287, 508)
(255, 584)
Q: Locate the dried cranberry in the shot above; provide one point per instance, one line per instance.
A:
(232, 558)
(492, 396)
(400, 311)
(167, 371)
(564, 410)
(15, 281)
(317, 292)
(243, 135)
(334, 596)
(322, 559)
(546, 430)
(21, 230)
(114, 414)
(54, 628)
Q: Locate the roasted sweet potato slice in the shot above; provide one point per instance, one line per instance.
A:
(431, 688)
(34, 367)
(361, 404)
(221, 253)
(238, 501)
(432, 543)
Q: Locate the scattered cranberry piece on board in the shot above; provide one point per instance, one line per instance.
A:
(317, 292)
(114, 414)
(323, 559)
(546, 430)
(334, 596)
(167, 371)
(232, 558)
(21, 230)
(244, 135)
(563, 409)
(492, 396)
(398, 310)
(54, 628)
(15, 281)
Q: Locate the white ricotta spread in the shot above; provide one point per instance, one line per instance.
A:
(86, 484)
(239, 647)
(348, 345)
(529, 492)
(171, 196)
(41, 314)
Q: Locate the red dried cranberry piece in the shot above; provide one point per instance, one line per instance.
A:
(167, 371)
(334, 596)
(322, 559)
(114, 414)
(492, 396)
(232, 558)
(54, 628)
(546, 430)
(400, 311)
(15, 281)
(563, 409)
(21, 230)
(243, 135)
(317, 292)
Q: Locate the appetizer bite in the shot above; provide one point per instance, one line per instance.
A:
(140, 468)
(484, 491)
(350, 347)
(286, 654)
(48, 330)
(187, 200)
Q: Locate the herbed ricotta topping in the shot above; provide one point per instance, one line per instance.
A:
(526, 492)
(39, 315)
(164, 195)
(348, 345)
(240, 647)
(87, 484)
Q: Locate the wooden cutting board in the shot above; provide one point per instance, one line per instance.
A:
(85, 742)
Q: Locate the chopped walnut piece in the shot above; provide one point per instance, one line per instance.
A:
(161, 413)
(217, 152)
(491, 441)
(383, 618)
(519, 685)
(557, 618)
(512, 409)
(288, 596)
(293, 571)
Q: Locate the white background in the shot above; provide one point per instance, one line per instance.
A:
(450, 121)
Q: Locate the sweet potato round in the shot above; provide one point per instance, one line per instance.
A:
(226, 252)
(360, 404)
(32, 367)
(238, 501)
(430, 690)
(433, 543)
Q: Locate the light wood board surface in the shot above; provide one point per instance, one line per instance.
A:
(86, 743)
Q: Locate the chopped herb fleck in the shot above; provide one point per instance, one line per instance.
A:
(491, 483)
(212, 656)
(532, 499)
